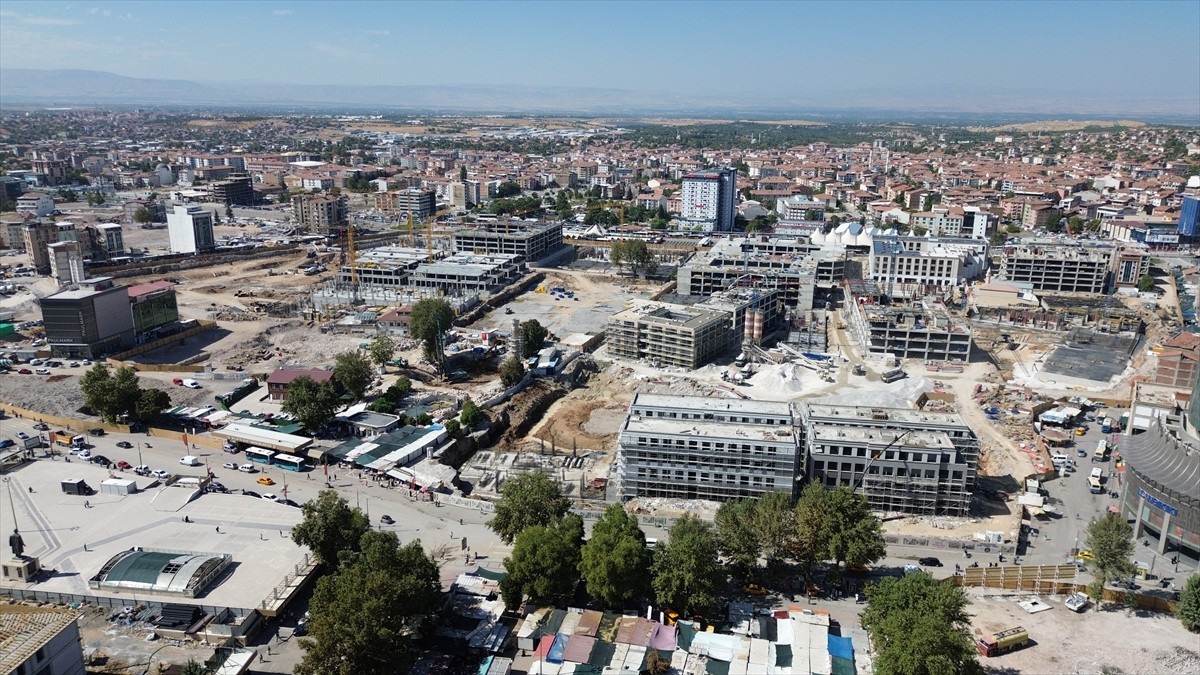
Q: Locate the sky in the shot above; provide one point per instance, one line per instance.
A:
(1143, 53)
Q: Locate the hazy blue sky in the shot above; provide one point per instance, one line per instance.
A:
(942, 52)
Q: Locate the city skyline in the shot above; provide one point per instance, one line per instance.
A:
(1057, 57)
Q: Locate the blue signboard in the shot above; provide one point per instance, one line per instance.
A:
(1157, 503)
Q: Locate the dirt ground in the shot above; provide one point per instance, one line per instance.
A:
(1107, 641)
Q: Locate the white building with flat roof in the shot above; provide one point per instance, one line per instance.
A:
(190, 229)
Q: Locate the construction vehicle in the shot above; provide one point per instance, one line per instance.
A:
(66, 438)
(1003, 642)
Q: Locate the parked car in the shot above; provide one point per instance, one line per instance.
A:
(160, 473)
(265, 480)
(124, 466)
(42, 371)
(124, 444)
(22, 435)
(250, 493)
(6, 443)
(754, 589)
(74, 364)
(96, 431)
(141, 470)
(85, 455)
(289, 502)
(41, 426)
(189, 460)
(101, 460)
(270, 497)
(24, 371)
(930, 562)
(217, 486)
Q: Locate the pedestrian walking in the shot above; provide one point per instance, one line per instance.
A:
(218, 529)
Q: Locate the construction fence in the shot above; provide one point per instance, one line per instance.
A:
(1051, 580)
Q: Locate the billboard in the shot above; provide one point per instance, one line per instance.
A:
(1161, 238)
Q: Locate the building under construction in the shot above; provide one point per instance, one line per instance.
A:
(1070, 267)
(669, 335)
(920, 330)
(531, 241)
(805, 275)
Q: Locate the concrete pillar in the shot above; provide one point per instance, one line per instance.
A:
(1137, 523)
(1162, 536)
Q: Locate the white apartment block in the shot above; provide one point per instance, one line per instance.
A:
(708, 200)
(190, 229)
(911, 265)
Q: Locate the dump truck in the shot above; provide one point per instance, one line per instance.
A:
(1003, 642)
(66, 438)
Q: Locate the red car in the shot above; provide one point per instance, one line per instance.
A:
(124, 466)
(24, 371)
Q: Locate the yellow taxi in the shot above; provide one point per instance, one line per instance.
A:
(266, 480)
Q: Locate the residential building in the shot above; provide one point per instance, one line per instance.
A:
(709, 200)
(40, 641)
(532, 241)
(38, 235)
(279, 381)
(112, 239)
(800, 208)
(669, 335)
(693, 447)
(36, 204)
(321, 213)
(156, 208)
(903, 461)
(236, 190)
(66, 266)
(190, 229)
(1179, 361)
(89, 321)
(13, 232)
(154, 308)
(52, 170)
(456, 196)
(914, 266)
(420, 203)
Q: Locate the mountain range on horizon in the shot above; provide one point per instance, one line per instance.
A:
(27, 87)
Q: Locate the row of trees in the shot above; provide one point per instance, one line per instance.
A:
(119, 395)
(371, 611)
(634, 253)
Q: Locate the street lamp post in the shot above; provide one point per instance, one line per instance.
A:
(140, 462)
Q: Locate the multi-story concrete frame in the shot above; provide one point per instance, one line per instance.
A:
(691, 447)
(914, 332)
(468, 274)
(793, 266)
(233, 191)
(669, 335)
(532, 241)
(418, 202)
(903, 461)
(913, 266)
(190, 229)
(113, 239)
(321, 214)
(1063, 268)
(384, 267)
(709, 200)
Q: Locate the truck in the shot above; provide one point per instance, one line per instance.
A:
(77, 486)
(1003, 642)
(66, 438)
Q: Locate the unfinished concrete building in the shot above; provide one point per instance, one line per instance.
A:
(386, 266)
(918, 331)
(669, 335)
(753, 314)
(1053, 266)
(531, 241)
(693, 447)
(803, 274)
(904, 461)
(465, 273)
(910, 267)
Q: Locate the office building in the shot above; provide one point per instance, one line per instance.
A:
(420, 203)
(532, 241)
(669, 335)
(236, 190)
(694, 447)
(903, 461)
(112, 239)
(89, 321)
(708, 200)
(321, 214)
(1189, 217)
(190, 229)
(66, 266)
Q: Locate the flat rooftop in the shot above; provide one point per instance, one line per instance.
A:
(703, 403)
(76, 541)
(712, 430)
(935, 440)
(672, 315)
(821, 411)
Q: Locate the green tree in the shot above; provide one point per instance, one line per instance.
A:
(430, 320)
(68, 195)
(150, 404)
(775, 525)
(614, 560)
(1187, 610)
(382, 349)
(527, 500)
(685, 572)
(453, 428)
(329, 526)
(544, 565)
(1146, 283)
(562, 205)
(616, 254)
(1076, 224)
(853, 535)
(143, 216)
(110, 395)
(508, 189)
(808, 540)
(353, 371)
(737, 541)
(367, 617)
(471, 415)
(1012, 228)
(1110, 539)
(462, 172)
(229, 211)
(511, 371)
(535, 337)
(998, 238)
(193, 667)
(311, 402)
(919, 626)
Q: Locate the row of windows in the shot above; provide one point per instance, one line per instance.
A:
(712, 416)
(849, 467)
(901, 455)
(655, 441)
(702, 477)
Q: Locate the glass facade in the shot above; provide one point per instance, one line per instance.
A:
(155, 311)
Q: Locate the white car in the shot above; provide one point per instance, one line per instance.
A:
(42, 371)
(229, 465)
(270, 497)
(160, 473)
(189, 460)
(85, 455)
(191, 384)
(141, 470)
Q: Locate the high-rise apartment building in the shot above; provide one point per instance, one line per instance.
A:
(709, 200)
(190, 229)
(321, 213)
(1189, 217)
(418, 202)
